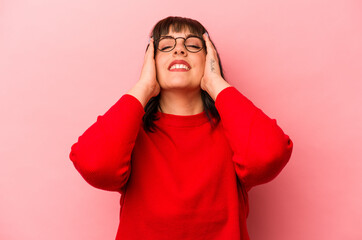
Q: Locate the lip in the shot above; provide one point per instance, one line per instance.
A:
(179, 62)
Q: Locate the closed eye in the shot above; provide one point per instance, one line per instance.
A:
(193, 46)
(165, 48)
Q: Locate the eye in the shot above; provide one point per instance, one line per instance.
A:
(166, 44)
(193, 46)
(165, 48)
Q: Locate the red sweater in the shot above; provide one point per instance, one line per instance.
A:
(186, 180)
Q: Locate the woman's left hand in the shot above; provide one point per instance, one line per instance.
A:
(212, 81)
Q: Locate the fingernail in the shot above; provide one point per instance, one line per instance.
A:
(149, 40)
(207, 34)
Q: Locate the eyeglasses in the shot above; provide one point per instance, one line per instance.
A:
(192, 43)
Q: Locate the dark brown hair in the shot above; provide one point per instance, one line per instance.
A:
(179, 24)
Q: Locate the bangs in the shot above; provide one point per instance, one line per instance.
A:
(177, 24)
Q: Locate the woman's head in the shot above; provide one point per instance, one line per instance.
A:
(180, 60)
(176, 24)
(179, 27)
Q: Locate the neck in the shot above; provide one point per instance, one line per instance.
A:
(180, 102)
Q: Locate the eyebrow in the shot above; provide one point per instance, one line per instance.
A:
(188, 35)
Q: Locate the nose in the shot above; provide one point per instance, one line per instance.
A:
(180, 47)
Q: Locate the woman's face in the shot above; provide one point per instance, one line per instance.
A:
(180, 78)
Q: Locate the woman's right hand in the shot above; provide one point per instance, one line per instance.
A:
(147, 86)
(148, 73)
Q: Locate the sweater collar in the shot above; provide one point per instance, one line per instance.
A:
(181, 120)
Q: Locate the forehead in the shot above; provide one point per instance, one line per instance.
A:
(184, 32)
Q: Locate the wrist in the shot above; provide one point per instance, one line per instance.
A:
(141, 92)
(215, 86)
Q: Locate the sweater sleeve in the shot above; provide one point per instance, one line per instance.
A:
(102, 154)
(260, 147)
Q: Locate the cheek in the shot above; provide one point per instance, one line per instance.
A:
(160, 70)
(160, 61)
(202, 60)
(158, 65)
(202, 64)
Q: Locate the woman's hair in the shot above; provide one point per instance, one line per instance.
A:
(179, 24)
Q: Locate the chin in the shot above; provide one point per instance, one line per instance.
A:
(181, 87)
(174, 83)
(181, 82)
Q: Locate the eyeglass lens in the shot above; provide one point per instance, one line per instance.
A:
(192, 44)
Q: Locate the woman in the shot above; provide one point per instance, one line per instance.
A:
(183, 146)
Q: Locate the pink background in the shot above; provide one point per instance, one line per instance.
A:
(64, 62)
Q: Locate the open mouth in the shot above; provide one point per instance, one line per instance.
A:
(179, 66)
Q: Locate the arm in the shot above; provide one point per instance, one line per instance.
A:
(261, 149)
(102, 154)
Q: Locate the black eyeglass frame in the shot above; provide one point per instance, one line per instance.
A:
(163, 37)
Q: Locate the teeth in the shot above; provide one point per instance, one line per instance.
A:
(179, 66)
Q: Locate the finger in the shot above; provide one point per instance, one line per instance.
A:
(208, 41)
(205, 36)
(150, 48)
(150, 41)
(211, 51)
